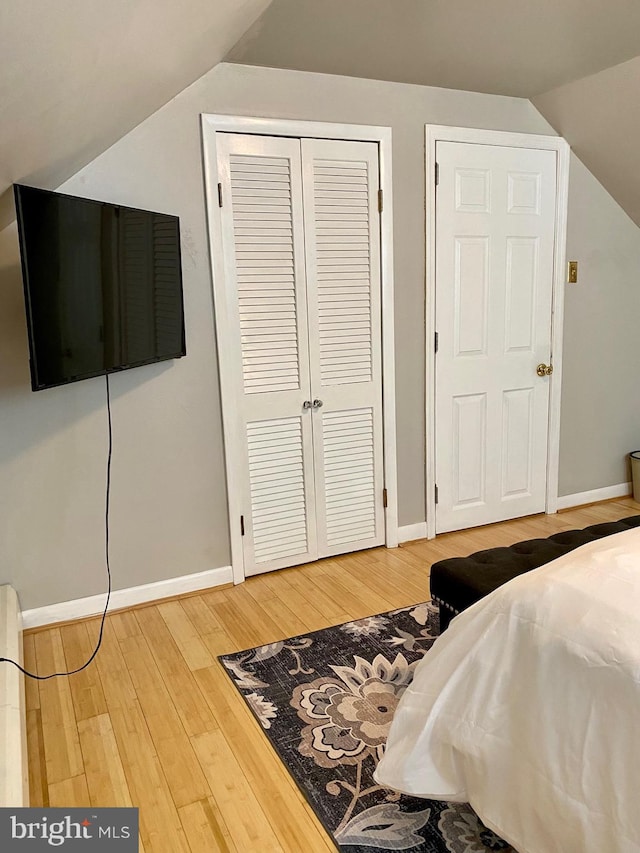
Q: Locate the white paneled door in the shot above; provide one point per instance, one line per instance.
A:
(301, 257)
(495, 226)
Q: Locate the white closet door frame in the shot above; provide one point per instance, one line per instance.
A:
(442, 133)
(229, 365)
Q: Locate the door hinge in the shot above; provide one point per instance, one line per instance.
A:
(435, 343)
(436, 493)
(384, 498)
(380, 201)
(437, 171)
(242, 525)
(219, 195)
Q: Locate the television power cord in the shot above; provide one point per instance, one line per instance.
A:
(106, 528)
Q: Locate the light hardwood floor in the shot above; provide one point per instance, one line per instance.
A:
(155, 722)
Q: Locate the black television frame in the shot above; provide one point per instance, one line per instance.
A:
(36, 385)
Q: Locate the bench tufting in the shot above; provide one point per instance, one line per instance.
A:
(458, 582)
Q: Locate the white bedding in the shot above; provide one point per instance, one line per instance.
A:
(528, 707)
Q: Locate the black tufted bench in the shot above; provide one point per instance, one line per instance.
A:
(459, 582)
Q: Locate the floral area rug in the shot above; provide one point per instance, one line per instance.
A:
(325, 701)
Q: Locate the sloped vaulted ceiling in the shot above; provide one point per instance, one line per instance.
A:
(575, 59)
(503, 47)
(76, 75)
(600, 117)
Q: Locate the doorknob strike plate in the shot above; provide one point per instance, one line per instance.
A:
(572, 275)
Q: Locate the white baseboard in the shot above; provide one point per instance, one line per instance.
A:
(14, 782)
(412, 531)
(622, 490)
(94, 604)
(419, 531)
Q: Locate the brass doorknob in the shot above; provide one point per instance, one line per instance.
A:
(544, 369)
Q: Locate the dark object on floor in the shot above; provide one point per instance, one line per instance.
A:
(326, 700)
(459, 582)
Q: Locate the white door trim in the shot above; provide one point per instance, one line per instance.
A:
(230, 379)
(442, 133)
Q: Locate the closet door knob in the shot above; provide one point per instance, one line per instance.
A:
(306, 404)
(317, 404)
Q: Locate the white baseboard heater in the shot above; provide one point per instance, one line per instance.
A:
(14, 777)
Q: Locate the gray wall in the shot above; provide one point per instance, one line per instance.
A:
(600, 416)
(169, 512)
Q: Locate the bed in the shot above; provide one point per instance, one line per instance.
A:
(528, 707)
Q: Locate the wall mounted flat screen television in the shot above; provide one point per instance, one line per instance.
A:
(102, 284)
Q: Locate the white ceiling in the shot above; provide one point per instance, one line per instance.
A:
(575, 59)
(508, 47)
(600, 117)
(76, 75)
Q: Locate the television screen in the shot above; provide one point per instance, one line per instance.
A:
(102, 283)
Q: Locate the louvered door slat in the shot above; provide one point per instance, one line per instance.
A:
(342, 252)
(283, 530)
(313, 478)
(264, 264)
(261, 197)
(277, 501)
(263, 511)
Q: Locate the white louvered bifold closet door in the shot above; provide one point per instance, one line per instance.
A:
(342, 240)
(263, 242)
